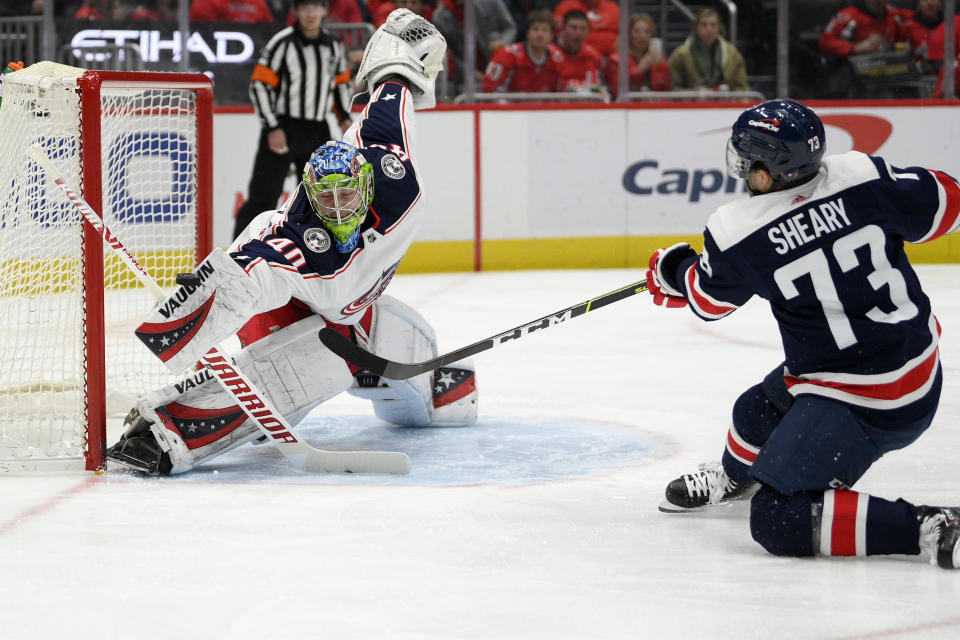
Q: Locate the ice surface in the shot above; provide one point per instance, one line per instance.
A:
(539, 522)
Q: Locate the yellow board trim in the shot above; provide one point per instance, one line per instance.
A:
(612, 252)
(58, 274)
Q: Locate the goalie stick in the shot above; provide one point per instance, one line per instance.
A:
(351, 352)
(254, 403)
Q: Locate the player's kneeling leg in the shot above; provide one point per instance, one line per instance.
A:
(195, 419)
(756, 414)
(446, 397)
(782, 524)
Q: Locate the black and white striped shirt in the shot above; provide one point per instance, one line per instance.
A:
(300, 78)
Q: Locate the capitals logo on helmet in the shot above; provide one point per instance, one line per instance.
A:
(784, 136)
(339, 185)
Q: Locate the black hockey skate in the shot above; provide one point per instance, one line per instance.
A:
(708, 487)
(940, 535)
(137, 450)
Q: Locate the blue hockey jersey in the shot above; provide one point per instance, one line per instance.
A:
(829, 257)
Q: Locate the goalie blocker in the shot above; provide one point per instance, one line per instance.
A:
(175, 428)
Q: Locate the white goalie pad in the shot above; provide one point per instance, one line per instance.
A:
(445, 397)
(195, 419)
(409, 46)
(194, 318)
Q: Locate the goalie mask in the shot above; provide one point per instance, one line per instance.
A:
(339, 185)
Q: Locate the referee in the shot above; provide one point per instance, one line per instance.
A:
(300, 76)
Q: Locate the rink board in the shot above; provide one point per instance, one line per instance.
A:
(568, 186)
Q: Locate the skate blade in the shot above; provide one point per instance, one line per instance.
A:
(117, 465)
(669, 507)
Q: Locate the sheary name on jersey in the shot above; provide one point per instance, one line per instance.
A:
(807, 226)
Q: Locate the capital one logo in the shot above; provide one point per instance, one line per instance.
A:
(647, 177)
(234, 47)
(868, 133)
(150, 177)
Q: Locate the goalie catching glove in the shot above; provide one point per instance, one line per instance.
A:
(409, 46)
(661, 278)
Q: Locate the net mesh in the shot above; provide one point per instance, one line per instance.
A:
(149, 193)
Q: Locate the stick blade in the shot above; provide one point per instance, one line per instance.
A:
(367, 462)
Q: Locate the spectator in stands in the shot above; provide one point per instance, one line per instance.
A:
(95, 10)
(300, 76)
(158, 11)
(867, 26)
(604, 18)
(917, 29)
(18, 8)
(529, 67)
(380, 9)
(344, 11)
(493, 28)
(706, 60)
(647, 67)
(581, 64)
(230, 11)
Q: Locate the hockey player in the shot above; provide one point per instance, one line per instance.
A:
(323, 259)
(821, 239)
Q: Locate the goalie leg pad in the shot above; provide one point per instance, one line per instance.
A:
(195, 419)
(194, 318)
(445, 397)
(455, 396)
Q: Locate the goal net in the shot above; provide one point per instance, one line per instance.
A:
(137, 147)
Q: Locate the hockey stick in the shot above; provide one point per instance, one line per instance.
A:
(360, 357)
(254, 403)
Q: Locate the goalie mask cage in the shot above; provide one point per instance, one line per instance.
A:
(138, 147)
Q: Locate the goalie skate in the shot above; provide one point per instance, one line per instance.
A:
(138, 451)
(708, 487)
(940, 535)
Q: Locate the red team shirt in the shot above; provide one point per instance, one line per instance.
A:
(230, 11)
(604, 22)
(917, 34)
(512, 68)
(656, 78)
(580, 72)
(851, 25)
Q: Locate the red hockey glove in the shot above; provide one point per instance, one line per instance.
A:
(660, 277)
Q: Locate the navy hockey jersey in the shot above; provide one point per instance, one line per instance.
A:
(829, 257)
(290, 253)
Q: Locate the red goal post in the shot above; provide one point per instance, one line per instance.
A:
(138, 147)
